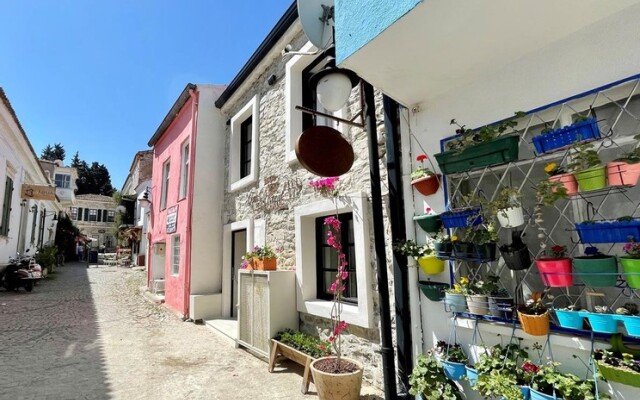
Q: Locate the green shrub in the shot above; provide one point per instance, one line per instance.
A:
(307, 344)
(46, 257)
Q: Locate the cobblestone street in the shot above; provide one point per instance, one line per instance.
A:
(88, 334)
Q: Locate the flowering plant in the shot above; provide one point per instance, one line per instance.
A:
(421, 171)
(553, 169)
(555, 251)
(533, 306)
(442, 237)
(460, 288)
(259, 252)
(409, 248)
(632, 248)
(325, 186)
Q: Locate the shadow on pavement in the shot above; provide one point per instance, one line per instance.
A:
(50, 346)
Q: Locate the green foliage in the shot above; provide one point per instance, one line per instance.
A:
(442, 237)
(548, 192)
(307, 344)
(483, 235)
(94, 179)
(583, 156)
(566, 386)
(450, 352)
(46, 257)
(429, 380)
(66, 234)
(632, 157)
(52, 153)
(260, 252)
(409, 248)
(468, 137)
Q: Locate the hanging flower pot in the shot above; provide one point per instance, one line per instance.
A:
(596, 271)
(631, 324)
(472, 375)
(555, 272)
(461, 218)
(427, 185)
(570, 319)
(535, 395)
(517, 259)
(536, 325)
(478, 304)
(620, 173)
(511, 217)
(434, 291)
(564, 136)
(593, 178)
(568, 181)
(631, 268)
(455, 302)
(454, 370)
(431, 265)
(429, 223)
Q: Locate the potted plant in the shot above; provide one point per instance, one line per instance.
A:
(461, 218)
(583, 128)
(625, 170)
(508, 208)
(504, 372)
(479, 148)
(429, 222)
(558, 177)
(628, 314)
(617, 231)
(484, 242)
(587, 168)
(516, 254)
(596, 269)
(423, 254)
(548, 383)
(534, 316)
(618, 367)
(429, 380)
(477, 297)
(461, 247)
(423, 179)
(500, 301)
(455, 297)
(452, 358)
(337, 376)
(555, 268)
(570, 317)
(442, 244)
(631, 263)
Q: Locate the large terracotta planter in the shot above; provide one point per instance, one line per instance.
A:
(427, 185)
(569, 182)
(623, 174)
(431, 265)
(265, 264)
(337, 386)
(555, 272)
(536, 325)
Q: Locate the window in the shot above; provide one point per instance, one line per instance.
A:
(34, 211)
(86, 214)
(243, 170)
(245, 147)
(80, 213)
(327, 259)
(175, 254)
(93, 215)
(165, 185)
(100, 216)
(63, 181)
(74, 213)
(6, 207)
(184, 170)
(111, 216)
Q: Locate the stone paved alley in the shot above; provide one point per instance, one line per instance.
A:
(89, 334)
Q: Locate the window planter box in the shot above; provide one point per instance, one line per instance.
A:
(596, 272)
(565, 136)
(603, 323)
(631, 324)
(281, 349)
(462, 250)
(434, 291)
(443, 249)
(265, 264)
(462, 218)
(495, 152)
(620, 375)
(501, 307)
(486, 251)
(430, 223)
(608, 231)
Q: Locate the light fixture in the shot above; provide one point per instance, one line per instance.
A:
(333, 86)
(144, 199)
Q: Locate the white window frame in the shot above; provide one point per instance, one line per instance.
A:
(251, 109)
(66, 181)
(307, 301)
(166, 171)
(93, 212)
(175, 244)
(293, 90)
(184, 168)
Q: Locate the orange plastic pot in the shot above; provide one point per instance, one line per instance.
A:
(536, 325)
(569, 182)
(265, 264)
(427, 185)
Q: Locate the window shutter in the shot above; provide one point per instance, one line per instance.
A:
(6, 207)
(86, 214)
(99, 215)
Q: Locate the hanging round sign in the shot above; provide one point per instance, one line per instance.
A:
(323, 151)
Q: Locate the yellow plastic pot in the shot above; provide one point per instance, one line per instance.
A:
(431, 265)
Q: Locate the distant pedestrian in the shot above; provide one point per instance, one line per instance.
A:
(80, 251)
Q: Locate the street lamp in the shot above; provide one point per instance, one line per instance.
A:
(333, 86)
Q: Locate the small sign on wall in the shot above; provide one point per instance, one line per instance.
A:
(38, 192)
(172, 219)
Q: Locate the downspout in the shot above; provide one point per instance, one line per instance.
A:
(195, 95)
(386, 338)
(404, 342)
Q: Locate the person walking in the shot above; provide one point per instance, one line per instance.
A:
(80, 251)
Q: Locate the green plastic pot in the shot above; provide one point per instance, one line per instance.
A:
(494, 152)
(593, 178)
(588, 268)
(434, 291)
(631, 267)
(429, 223)
(620, 375)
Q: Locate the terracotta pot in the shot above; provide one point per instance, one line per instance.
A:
(569, 182)
(623, 174)
(555, 272)
(427, 185)
(536, 325)
(265, 264)
(338, 386)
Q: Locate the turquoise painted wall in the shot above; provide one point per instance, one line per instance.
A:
(360, 21)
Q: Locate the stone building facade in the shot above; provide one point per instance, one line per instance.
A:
(276, 201)
(95, 217)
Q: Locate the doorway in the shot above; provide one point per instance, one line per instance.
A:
(239, 248)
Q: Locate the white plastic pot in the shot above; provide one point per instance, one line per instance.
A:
(511, 217)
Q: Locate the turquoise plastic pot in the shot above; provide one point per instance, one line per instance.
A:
(535, 395)
(570, 319)
(631, 324)
(603, 323)
(455, 302)
(526, 392)
(454, 370)
(472, 375)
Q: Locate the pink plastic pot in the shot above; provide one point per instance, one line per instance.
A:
(623, 174)
(555, 272)
(569, 182)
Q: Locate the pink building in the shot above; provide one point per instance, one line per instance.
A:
(186, 204)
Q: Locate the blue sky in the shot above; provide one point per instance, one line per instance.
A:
(99, 76)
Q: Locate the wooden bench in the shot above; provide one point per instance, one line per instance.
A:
(281, 349)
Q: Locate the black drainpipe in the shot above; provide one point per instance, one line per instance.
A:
(404, 341)
(388, 361)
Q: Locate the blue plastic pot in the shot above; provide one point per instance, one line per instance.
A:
(562, 137)
(455, 302)
(608, 231)
(603, 323)
(526, 392)
(461, 219)
(569, 319)
(631, 324)
(454, 370)
(535, 395)
(472, 375)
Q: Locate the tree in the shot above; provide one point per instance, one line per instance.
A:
(94, 179)
(56, 152)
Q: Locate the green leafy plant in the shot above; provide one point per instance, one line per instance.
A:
(533, 306)
(615, 359)
(450, 352)
(442, 237)
(548, 192)
(632, 157)
(468, 137)
(627, 309)
(46, 257)
(483, 235)
(429, 380)
(310, 345)
(409, 248)
(502, 370)
(421, 171)
(550, 381)
(583, 156)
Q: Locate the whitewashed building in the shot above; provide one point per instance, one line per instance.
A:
(137, 188)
